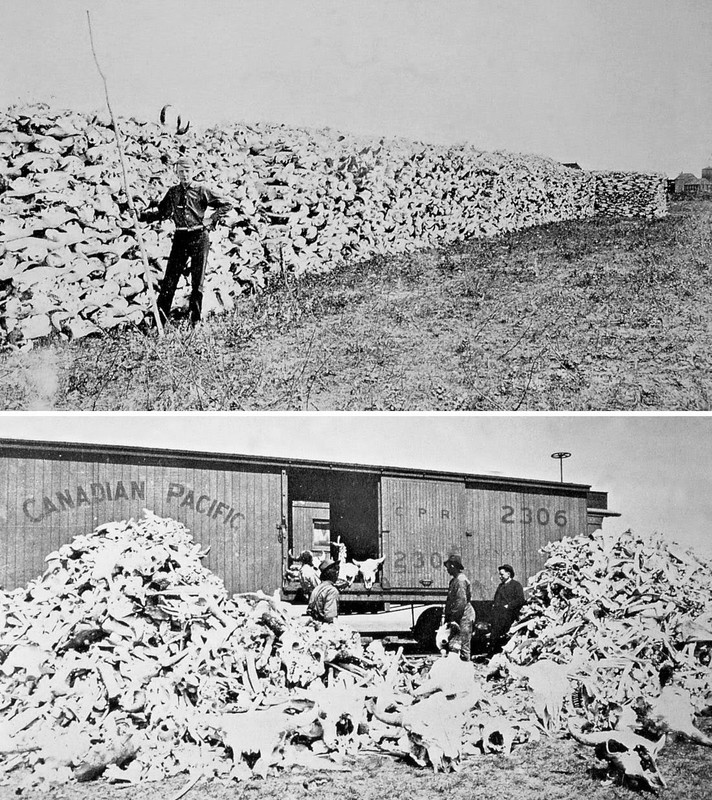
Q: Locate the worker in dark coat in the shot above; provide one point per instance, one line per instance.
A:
(186, 204)
(323, 604)
(508, 601)
(458, 607)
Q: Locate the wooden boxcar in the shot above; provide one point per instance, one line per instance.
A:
(252, 511)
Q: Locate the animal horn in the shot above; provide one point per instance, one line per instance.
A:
(162, 115)
(589, 739)
(389, 717)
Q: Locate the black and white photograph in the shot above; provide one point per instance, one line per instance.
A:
(324, 205)
(357, 605)
(355, 379)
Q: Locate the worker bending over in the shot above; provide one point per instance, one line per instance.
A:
(323, 604)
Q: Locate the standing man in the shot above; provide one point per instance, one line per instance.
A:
(508, 601)
(186, 204)
(323, 604)
(458, 606)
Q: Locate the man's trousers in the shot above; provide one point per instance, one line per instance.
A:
(465, 637)
(502, 620)
(461, 637)
(187, 246)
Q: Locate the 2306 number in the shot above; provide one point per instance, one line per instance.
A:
(417, 560)
(542, 516)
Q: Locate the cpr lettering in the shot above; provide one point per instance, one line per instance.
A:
(37, 510)
(422, 512)
(204, 504)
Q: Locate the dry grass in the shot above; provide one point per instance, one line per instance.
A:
(554, 769)
(589, 315)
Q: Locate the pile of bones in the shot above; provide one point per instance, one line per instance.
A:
(303, 201)
(128, 661)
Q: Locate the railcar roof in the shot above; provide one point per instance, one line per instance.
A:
(49, 449)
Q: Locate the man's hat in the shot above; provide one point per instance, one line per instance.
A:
(185, 161)
(325, 564)
(454, 560)
(508, 567)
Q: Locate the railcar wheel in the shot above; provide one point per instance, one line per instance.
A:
(425, 628)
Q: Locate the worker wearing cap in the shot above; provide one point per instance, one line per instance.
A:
(323, 603)
(458, 606)
(186, 204)
(508, 601)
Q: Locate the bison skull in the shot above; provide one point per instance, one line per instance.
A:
(632, 756)
(368, 570)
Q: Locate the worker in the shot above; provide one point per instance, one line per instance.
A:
(186, 204)
(323, 603)
(309, 577)
(508, 601)
(458, 607)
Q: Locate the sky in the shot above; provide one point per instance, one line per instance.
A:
(657, 469)
(605, 83)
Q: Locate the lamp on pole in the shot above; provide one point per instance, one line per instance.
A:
(561, 457)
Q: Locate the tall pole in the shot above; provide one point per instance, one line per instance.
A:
(561, 456)
(127, 189)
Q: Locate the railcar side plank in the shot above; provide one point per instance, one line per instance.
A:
(240, 508)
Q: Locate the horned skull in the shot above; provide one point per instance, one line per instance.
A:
(447, 637)
(627, 753)
(368, 570)
(303, 660)
(431, 727)
(341, 713)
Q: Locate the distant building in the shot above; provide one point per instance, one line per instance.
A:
(686, 183)
(572, 164)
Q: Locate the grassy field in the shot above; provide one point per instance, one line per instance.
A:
(553, 769)
(596, 314)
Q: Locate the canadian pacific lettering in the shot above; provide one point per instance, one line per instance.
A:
(204, 504)
(66, 499)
